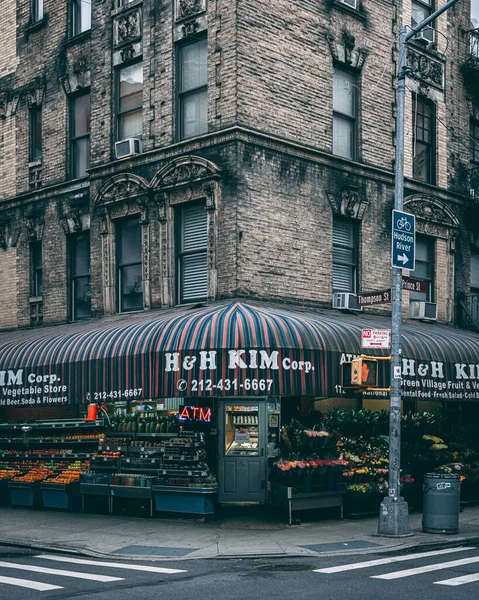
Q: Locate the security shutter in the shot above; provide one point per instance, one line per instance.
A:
(193, 265)
(344, 256)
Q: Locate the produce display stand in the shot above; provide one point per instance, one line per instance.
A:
(25, 493)
(300, 498)
(191, 500)
(134, 492)
(61, 495)
(95, 490)
(4, 493)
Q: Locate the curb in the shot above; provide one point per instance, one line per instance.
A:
(400, 548)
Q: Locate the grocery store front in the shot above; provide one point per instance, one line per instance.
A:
(231, 374)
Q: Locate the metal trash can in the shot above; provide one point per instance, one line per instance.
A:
(442, 494)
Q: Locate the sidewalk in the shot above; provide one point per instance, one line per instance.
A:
(239, 532)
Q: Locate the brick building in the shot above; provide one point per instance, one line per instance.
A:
(257, 149)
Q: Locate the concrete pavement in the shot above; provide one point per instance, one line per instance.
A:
(237, 532)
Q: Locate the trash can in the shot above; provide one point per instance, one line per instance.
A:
(442, 494)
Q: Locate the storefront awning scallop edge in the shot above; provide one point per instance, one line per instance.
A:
(233, 349)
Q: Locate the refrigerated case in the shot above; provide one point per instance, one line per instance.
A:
(243, 456)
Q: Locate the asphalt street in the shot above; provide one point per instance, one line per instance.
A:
(450, 573)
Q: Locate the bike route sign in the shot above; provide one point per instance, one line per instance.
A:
(403, 240)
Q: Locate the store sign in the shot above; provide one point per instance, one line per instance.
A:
(194, 413)
(21, 388)
(376, 338)
(242, 438)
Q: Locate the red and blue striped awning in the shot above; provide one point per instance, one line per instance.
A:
(233, 349)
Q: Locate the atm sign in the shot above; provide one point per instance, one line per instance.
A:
(195, 413)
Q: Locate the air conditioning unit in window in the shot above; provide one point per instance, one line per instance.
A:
(428, 35)
(345, 301)
(128, 147)
(424, 311)
(351, 3)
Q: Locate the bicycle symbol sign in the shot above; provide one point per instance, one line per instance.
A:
(403, 240)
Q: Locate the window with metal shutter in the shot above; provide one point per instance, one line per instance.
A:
(344, 256)
(192, 255)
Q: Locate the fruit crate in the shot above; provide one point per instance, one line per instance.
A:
(61, 495)
(25, 493)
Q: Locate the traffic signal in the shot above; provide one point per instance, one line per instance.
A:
(360, 373)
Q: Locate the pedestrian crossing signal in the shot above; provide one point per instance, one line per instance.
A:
(360, 373)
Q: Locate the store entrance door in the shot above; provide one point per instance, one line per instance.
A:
(243, 457)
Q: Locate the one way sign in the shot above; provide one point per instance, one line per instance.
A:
(403, 240)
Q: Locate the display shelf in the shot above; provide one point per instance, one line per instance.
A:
(63, 424)
(25, 493)
(95, 489)
(65, 496)
(133, 491)
(184, 472)
(52, 456)
(174, 499)
(112, 448)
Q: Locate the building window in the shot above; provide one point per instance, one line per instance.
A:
(35, 134)
(81, 16)
(420, 10)
(80, 276)
(37, 10)
(192, 89)
(130, 101)
(424, 139)
(425, 268)
(80, 135)
(474, 14)
(120, 3)
(344, 114)
(37, 268)
(192, 244)
(474, 141)
(345, 255)
(129, 266)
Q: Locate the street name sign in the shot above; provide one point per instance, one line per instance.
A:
(370, 298)
(376, 338)
(403, 240)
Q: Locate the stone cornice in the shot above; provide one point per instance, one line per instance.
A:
(236, 134)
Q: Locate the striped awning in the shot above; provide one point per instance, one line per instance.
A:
(233, 349)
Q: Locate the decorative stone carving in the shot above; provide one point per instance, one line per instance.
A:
(127, 27)
(78, 77)
(121, 187)
(3, 104)
(190, 28)
(345, 51)
(35, 97)
(160, 199)
(425, 68)
(209, 190)
(127, 53)
(188, 8)
(185, 171)
(350, 204)
(34, 226)
(437, 218)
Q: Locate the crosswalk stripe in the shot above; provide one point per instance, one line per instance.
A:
(132, 567)
(32, 585)
(459, 580)
(89, 576)
(428, 568)
(391, 559)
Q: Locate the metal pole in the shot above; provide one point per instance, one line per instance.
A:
(394, 514)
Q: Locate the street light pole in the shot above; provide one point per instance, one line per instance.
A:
(394, 514)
